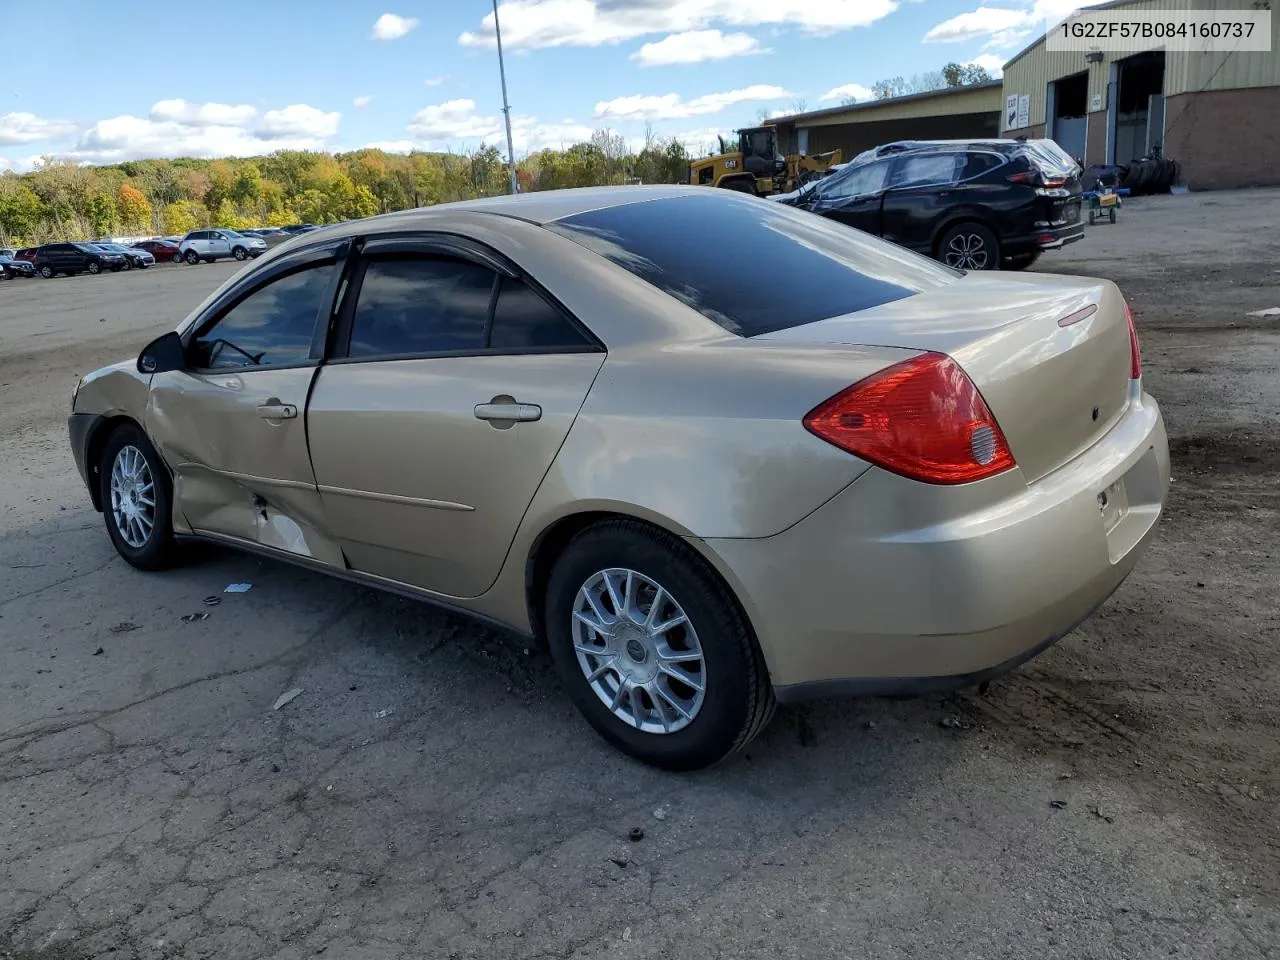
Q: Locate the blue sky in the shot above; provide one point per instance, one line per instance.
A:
(239, 78)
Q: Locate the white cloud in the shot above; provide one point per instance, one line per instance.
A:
(455, 124)
(989, 62)
(202, 114)
(454, 120)
(175, 128)
(848, 91)
(434, 81)
(363, 100)
(5, 164)
(389, 26)
(671, 106)
(28, 128)
(696, 46)
(590, 23)
(1004, 26)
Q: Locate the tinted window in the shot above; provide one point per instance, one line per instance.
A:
(857, 181)
(420, 305)
(270, 327)
(923, 169)
(752, 266)
(977, 164)
(522, 318)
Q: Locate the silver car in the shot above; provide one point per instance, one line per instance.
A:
(218, 244)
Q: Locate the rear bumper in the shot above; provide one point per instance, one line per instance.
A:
(897, 586)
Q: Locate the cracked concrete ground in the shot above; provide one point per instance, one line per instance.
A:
(432, 794)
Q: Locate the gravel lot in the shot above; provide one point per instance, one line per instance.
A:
(431, 793)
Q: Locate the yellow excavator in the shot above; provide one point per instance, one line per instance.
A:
(757, 167)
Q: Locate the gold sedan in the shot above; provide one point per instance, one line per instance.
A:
(713, 451)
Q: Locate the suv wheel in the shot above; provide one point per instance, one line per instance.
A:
(48, 272)
(970, 246)
(94, 267)
(240, 253)
(192, 257)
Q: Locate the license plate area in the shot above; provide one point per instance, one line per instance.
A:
(1073, 213)
(1113, 504)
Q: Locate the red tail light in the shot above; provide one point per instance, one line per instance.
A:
(922, 418)
(1135, 352)
(1026, 176)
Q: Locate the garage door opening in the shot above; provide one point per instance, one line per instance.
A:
(1069, 113)
(1138, 114)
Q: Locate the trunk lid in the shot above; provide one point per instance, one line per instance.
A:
(1050, 355)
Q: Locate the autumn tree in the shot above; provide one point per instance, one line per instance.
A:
(134, 209)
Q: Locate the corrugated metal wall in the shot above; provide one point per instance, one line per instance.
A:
(1184, 71)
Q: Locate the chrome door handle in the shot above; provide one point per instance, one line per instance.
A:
(524, 412)
(277, 411)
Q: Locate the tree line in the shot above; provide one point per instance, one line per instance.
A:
(63, 200)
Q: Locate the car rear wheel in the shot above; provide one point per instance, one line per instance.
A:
(94, 267)
(653, 648)
(192, 257)
(48, 272)
(136, 500)
(969, 246)
(127, 265)
(177, 257)
(240, 253)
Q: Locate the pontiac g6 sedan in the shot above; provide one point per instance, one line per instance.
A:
(713, 451)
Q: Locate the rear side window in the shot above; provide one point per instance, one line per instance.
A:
(421, 305)
(523, 319)
(752, 266)
(976, 164)
(924, 169)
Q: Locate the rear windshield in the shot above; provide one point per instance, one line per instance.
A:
(752, 266)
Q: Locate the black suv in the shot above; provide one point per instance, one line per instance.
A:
(72, 258)
(973, 204)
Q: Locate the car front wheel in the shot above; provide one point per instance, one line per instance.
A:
(136, 498)
(970, 246)
(653, 648)
(94, 267)
(48, 272)
(240, 253)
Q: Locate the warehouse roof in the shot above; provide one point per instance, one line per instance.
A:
(887, 104)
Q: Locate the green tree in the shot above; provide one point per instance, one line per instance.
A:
(183, 216)
(103, 215)
(964, 74)
(20, 209)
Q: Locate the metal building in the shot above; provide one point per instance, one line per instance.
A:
(1215, 112)
(950, 114)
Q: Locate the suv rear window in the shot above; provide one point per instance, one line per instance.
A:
(752, 266)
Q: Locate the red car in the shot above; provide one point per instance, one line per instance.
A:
(163, 250)
(26, 253)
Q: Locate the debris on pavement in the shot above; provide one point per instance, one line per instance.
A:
(287, 697)
(383, 714)
(1058, 804)
(1098, 812)
(1268, 312)
(955, 723)
(660, 813)
(237, 588)
(194, 617)
(212, 601)
(99, 652)
(635, 834)
(626, 934)
(620, 859)
(124, 626)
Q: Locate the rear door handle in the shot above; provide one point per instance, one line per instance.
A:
(277, 411)
(523, 412)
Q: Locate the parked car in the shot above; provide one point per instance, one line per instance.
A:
(72, 258)
(975, 205)
(11, 268)
(132, 256)
(296, 228)
(272, 235)
(210, 245)
(7, 252)
(164, 251)
(26, 253)
(557, 412)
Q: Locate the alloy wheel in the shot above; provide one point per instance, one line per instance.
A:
(638, 651)
(967, 251)
(133, 497)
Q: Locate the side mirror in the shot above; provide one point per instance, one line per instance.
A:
(163, 354)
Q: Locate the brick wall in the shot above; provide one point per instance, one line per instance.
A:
(1225, 138)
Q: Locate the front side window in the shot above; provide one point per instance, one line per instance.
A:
(271, 327)
(859, 182)
(417, 305)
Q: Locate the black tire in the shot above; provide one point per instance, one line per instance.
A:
(94, 267)
(192, 257)
(1112, 214)
(48, 272)
(159, 549)
(177, 257)
(1022, 261)
(127, 265)
(240, 253)
(972, 237)
(738, 701)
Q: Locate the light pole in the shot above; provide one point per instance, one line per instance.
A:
(506, 108)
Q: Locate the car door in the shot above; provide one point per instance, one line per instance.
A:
(231, 425)
(218, 244)
(453, 385)
(922, 188)
(854, 197)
